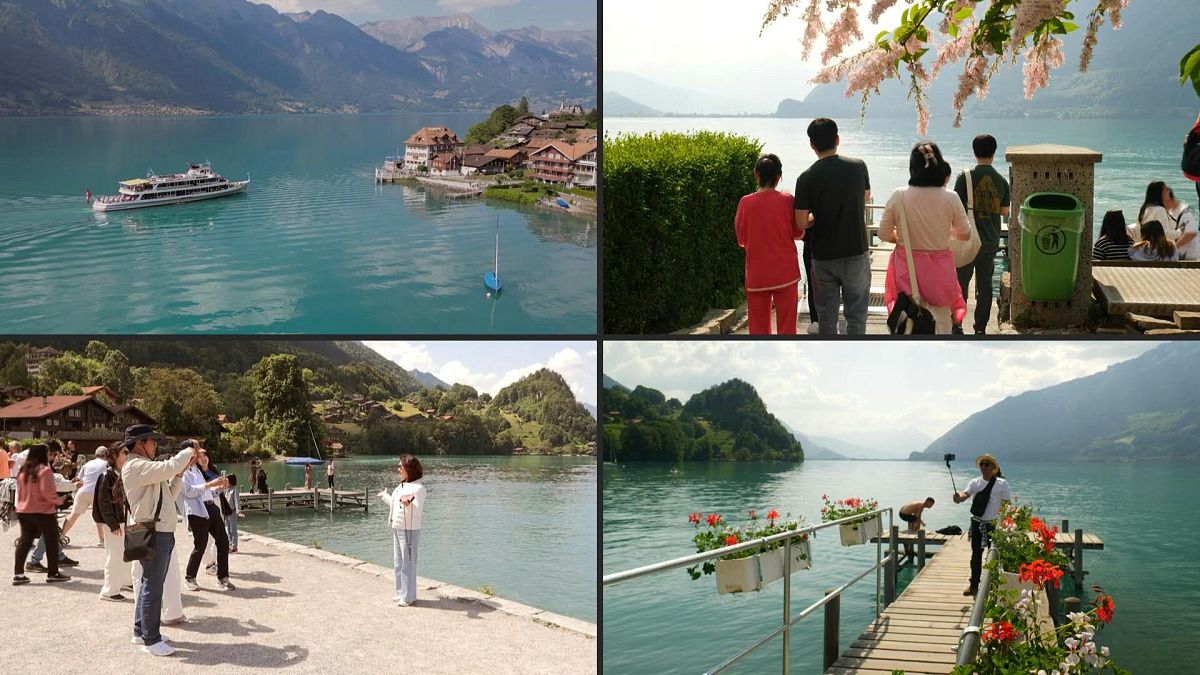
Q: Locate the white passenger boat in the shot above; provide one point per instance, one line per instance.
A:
(198, 182)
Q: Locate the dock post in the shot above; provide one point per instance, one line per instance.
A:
(921, 548)
(366, 500)
(332, 499)
(269, 493)
(316, 499)
(1055, 609)
(889, 575)
(833, 619)
(1072, 604)
(1078, 558)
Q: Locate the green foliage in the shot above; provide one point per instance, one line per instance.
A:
(527, 193)
(179, 398)
(95, 350)
(69, 389)
(726, 422)
(237, 396)
(501, 119)
(281, 406)
(523, 107)
(464, 435)
(670, 252)
(116, 373)
(544, 397)
(70, 367)
(1189, 68)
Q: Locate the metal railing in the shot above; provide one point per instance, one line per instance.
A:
(784, 628)
(968, 641)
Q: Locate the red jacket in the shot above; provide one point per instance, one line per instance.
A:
(765, 228)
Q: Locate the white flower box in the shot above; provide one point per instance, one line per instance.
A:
(751, 574)
(856, 534)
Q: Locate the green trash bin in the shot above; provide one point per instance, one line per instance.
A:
(1051, 224)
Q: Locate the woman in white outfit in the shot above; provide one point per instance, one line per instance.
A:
(406, 504)
(110, 512)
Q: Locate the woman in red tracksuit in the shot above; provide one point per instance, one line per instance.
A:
(765, 226)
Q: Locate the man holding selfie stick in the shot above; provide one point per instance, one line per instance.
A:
(990, 491)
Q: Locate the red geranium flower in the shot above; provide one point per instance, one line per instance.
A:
(713, 519)
(1048, 535)
(772, 514)
(1000, 631)
(1036, 524)
(694, 518)
(1040, 572)
(1104, 608)
(731, 540)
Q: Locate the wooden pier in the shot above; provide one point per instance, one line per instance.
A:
(315, 499)
(919, 632)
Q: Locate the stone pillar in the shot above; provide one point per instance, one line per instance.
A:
(1052, 168)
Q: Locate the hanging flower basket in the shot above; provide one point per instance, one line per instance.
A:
(857, 534)
(751, 574)
(753, 568)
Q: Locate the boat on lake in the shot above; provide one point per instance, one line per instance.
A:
(198, 182)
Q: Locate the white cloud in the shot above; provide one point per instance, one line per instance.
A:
(408, 355)
(579, 370)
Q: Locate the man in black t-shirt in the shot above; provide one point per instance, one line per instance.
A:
(834, 191)
(991, 197)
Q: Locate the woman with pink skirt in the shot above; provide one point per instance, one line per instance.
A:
(933, 215)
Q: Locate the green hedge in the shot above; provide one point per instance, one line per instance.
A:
(670, 252)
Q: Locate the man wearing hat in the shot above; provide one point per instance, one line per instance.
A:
(90, 473)
(988, 493)
(151, 489)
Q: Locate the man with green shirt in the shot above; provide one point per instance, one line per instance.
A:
(991, 201)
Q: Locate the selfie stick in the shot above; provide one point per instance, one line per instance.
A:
(949, 457)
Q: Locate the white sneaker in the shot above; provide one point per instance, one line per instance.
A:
(191, 584)
(814, 328)
(159, 649)
(841, 326)
(225, 585)
(174, 622)
(211, 569)
(135, 640)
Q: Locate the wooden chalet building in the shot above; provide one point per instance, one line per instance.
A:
(421, 147)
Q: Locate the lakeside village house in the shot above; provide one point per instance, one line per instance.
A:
(88, 420)
(559, 153)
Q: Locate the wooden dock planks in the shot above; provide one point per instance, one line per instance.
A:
(919, 632)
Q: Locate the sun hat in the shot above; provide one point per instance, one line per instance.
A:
(988, 457)
(135, 433)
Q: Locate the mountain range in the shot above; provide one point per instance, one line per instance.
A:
(429, 379)
(234, 56)
(1147, 408)
(1135, 74)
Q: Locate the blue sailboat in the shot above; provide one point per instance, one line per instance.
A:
(491, 279)
(300, 461)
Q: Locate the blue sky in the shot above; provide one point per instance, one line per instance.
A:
(495, 14)
(831, 388)
(490, 366)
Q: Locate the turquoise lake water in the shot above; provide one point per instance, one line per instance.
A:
(525, 526)
(313, 246)
(1136, 152)
(668, 623)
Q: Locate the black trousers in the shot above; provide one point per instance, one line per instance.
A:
(34, 525)
(983, 268)
(980, 535)
(812, 282)
(330, 477)
(202, 528)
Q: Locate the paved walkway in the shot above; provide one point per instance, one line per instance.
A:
(294, 608)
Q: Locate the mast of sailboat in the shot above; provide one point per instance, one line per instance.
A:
(496, 262)
(316, 446)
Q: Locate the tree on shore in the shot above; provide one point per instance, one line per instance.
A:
(281, 407)
(180, 399)
(980, 34)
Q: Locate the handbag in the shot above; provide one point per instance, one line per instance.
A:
(226, 509)
(965, 251)
(139, 537)
(908, 317)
